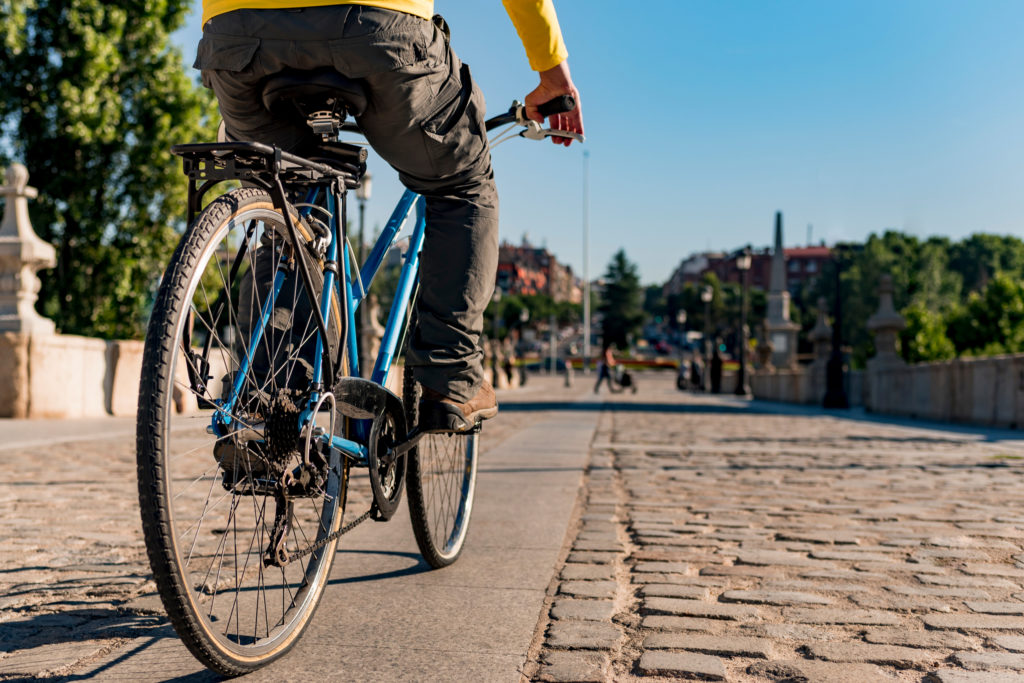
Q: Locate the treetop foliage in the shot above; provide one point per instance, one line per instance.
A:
(960, 298)
(621, 302)
(93, 98)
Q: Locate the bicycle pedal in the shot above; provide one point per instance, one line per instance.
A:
(360, 398)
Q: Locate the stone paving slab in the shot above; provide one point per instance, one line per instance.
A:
(758, 542)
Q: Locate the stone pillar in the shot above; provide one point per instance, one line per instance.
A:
(22, 253)
(371, 333)
(886, 388)
(821, 338)
(765, 351)
(780, 331)
(886, 324)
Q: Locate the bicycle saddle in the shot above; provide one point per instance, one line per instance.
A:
(298, 94)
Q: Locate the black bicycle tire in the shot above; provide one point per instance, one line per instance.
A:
(419, 514)
(155, 396)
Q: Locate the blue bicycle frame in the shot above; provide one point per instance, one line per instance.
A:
(344, 286)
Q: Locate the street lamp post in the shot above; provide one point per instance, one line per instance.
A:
(496, 299)
(363, 195)
(835, 391)
(586, 261)
(706, 295)
(743, 262)
(362, 322)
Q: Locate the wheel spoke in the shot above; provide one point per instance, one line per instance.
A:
(214, 511)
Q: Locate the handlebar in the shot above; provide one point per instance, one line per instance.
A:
(517, 114)
(559, 105)
(533, 130)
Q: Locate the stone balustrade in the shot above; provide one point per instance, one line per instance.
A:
(985, 391)
(42, 373)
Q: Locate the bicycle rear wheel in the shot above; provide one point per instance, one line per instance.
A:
(441, 486)
(209, 510)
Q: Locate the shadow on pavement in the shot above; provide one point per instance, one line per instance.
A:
(520, 470)
(724, 405)
(127, 655)
(420, 567)
(635, 407)
(84, 624)
(91, 624)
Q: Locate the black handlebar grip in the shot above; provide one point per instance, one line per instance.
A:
(559, 105)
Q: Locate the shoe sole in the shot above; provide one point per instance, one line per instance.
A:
(443, 418)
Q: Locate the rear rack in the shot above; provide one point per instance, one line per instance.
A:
(207, 164)
(251, 161)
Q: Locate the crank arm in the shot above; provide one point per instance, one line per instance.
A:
(414, 438)
(407, 445)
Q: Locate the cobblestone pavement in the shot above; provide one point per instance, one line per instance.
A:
(715, 539)
(718, 540)
(74, 579)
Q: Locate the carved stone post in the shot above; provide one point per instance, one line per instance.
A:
(821, 338)
(780, 331)
(765, 350)
(371, 334)
(22, 253)
(886, 324)
(885, 387)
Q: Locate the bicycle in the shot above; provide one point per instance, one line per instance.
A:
(243, 500)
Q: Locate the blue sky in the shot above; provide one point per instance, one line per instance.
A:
(704, 118)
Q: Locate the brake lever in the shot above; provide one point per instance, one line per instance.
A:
(534, 131)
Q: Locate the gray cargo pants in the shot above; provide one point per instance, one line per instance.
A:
(424, 117)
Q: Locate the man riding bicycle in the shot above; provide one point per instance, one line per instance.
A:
(425, 117)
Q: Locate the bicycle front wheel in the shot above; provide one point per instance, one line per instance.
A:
(213, 507)
(441, 486)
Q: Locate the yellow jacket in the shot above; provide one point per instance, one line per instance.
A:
(535, 20)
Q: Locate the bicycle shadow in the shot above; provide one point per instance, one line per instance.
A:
(78, 625)
(632, 407)
(420, 567)
(37, 640)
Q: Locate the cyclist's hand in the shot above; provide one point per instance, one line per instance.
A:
(554, 83)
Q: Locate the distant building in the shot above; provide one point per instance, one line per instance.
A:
(803, 265)
(526, 269)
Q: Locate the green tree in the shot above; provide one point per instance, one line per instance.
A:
(991, 322)
(621, 303)
(924, 338)
(92, 99)
(656, 305)
(920, 273)
(981, 257)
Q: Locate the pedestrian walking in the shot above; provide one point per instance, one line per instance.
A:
(604, 369)
(716, 371)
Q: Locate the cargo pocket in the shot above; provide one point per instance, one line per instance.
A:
(401, 45)
(454, 132)
(224, 53)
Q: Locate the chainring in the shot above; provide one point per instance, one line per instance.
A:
(387, 470)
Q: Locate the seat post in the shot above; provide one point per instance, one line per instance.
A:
(326, 124)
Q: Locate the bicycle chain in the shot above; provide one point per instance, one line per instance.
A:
(336, 535)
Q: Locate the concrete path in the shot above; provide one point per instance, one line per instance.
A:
(385, 616)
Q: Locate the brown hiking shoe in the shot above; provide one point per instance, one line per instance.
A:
(439, 413)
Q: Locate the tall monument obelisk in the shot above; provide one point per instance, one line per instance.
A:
(780, 330)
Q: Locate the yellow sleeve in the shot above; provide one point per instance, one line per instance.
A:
(537, 25)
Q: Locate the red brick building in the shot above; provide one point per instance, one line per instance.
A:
(526, 269)
(803, 264)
